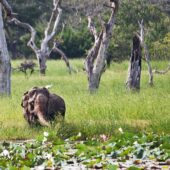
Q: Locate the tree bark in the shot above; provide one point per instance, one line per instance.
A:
(147, 57)
(146, 52)
(134, 75)
(96, 59)
(5, 66)
(63, 56)
(43, 52)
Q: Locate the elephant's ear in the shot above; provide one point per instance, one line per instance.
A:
(22, 103)
(24, 98)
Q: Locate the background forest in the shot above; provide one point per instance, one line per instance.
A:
(74, 37)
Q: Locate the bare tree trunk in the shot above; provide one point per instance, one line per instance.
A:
(5, 66)
(134, 74)
(147, 57)
(146, 52)
(96, 59)
(42, 58)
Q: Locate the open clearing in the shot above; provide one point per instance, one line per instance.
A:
(110, 108)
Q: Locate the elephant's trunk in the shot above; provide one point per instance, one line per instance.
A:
(40, 108)
(42, 120)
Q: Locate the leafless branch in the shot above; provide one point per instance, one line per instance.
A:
(162, 71)
(95, 60)
(92, 28)
(114, 5)
(92, 54)
(7, 7)
(63, 56)
(56, 8)
(141, 26)
(31, 42)
(146, 52)
(106, 5)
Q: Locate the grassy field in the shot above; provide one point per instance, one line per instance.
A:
(105, 112)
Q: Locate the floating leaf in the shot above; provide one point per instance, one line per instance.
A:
(112, 167)
(134, 168)
(25, 168)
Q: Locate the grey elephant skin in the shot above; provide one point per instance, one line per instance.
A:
(41, 107)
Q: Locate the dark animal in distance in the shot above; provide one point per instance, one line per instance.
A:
(40, 106)
(27, 65)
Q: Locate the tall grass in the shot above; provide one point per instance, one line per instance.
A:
(110, 108)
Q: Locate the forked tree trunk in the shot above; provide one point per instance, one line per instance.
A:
(5, 66)
(134, 75)
(96, 59)
(42, 58)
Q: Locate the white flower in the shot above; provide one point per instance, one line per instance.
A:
(47, 156)
(46, 134)
(79, 134)
(120, 130)
(5, 153)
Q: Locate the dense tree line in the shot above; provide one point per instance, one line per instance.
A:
(74, 37)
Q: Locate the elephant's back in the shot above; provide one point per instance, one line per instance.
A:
(56, 105)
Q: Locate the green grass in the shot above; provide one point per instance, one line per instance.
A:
(110, 108)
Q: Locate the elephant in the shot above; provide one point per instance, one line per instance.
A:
(40, 106)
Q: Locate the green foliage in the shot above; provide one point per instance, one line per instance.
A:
(161, 48)
(130, 12)
(76, 39)
(31, 11)
(47, 153)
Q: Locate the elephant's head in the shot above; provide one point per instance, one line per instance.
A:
(41, 108)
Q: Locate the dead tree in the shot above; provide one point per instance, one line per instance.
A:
(5, 66)
(146, 52)
(44, 51)
(96, 58)
(134, 72)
